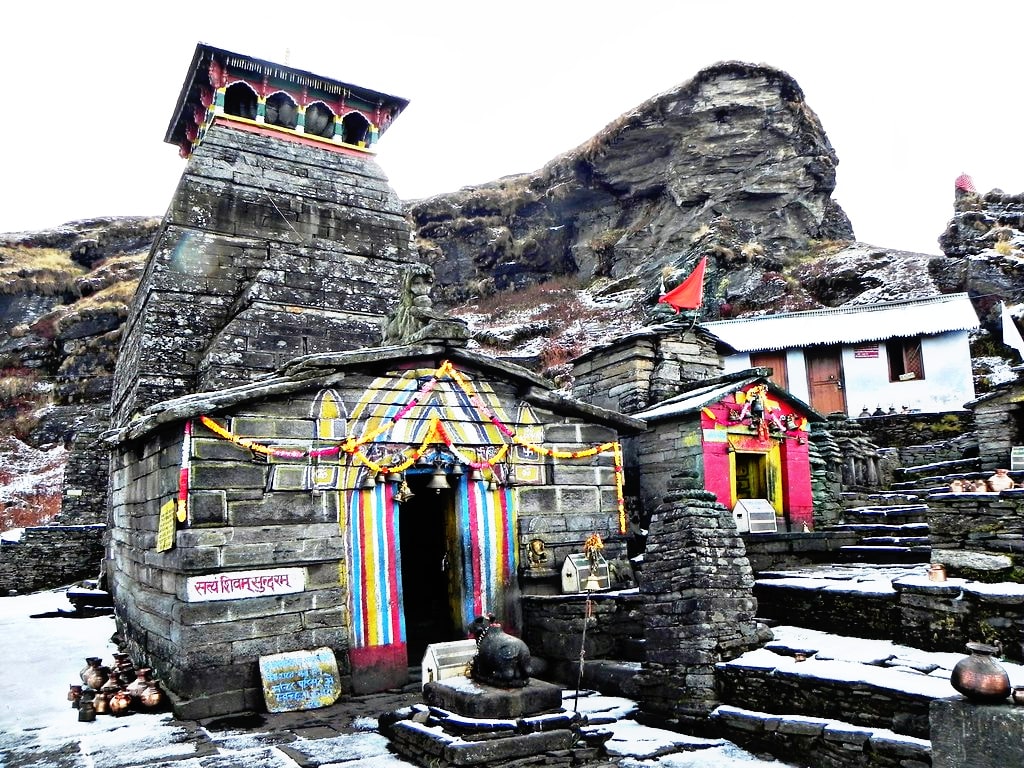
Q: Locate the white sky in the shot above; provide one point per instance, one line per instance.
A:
(910, 93)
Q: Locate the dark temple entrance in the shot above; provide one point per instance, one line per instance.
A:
(426, 526)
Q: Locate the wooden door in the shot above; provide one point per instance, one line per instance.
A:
(825, 380)
(774, 360)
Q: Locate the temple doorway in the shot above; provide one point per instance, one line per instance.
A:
(429, 555)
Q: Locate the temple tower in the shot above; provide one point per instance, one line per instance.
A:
(283, 237)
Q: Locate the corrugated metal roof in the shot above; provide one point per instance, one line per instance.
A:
(848, 325)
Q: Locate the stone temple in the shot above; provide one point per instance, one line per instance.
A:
(280, 480)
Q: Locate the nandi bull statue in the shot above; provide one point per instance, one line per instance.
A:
(501, 660)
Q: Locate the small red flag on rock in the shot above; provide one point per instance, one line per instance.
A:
(689, 294)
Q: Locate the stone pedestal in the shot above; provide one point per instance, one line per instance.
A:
(473, 699)
(969, 735)
(465, 723)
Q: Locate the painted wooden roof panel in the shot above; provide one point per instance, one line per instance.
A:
(848, 325)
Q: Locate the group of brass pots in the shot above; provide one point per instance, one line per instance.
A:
(114, 690)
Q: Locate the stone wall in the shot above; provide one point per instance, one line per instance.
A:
(969, 735)
(768, 551)
(822, 741)
(553, 629)
(51, 556)
(932, 616)
(645, 368)
(85, 475)
(859, 703)
(575, 499)
(670, 452)
(998, 424)
(951, 433)
(270, 250)
(978, 522)
(206, 652)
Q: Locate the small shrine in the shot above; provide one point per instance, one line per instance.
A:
(742, 438)
(274, 99)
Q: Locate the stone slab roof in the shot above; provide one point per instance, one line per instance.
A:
(325, 369)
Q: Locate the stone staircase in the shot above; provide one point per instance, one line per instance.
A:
(893, 525)
(889, 533)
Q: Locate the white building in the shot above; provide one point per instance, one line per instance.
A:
(903, 355)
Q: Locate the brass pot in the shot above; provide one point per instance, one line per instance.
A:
(979, 677)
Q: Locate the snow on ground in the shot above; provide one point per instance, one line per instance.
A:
(40, 729)
(45, 656)
(724, 756)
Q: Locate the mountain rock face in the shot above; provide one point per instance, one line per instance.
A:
(732, 165)
(985, 242)
(64, 296)
(736, 149)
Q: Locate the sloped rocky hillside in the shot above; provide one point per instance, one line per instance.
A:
(64, 295)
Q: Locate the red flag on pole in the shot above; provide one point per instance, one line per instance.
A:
(689, 294)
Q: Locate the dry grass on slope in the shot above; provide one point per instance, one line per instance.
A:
(48, 271)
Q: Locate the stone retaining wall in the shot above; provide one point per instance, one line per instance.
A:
(935, 433)
(820, 741)
(979, 522)
(932, 616)
(785, 550)
(50, 556)
(861, 704)
(553, 627)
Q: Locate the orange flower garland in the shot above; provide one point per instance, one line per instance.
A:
(435, 435)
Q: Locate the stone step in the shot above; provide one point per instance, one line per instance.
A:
(809, 739)
(889, 513)
(888, 510)
(939, 469)
(884, 554)
(882, 529)
(895, 541)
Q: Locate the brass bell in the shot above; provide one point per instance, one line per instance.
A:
(404, 492)
(369, 482)
(457, 469)
(438, 481)
(475, 475)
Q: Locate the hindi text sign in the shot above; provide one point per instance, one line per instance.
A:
(234, 585)
(300, 680)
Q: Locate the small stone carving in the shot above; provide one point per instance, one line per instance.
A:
(415, 318)
(501, 660)
(538, 554)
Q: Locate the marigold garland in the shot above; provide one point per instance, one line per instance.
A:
(435, 434)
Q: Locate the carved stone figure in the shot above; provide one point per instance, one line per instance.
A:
(501, 660)
(538, 554)
(415, 318)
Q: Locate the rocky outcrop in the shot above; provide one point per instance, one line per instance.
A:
(737, 148)
(63, 298)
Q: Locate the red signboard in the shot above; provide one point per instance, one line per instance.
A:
(865, 350)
